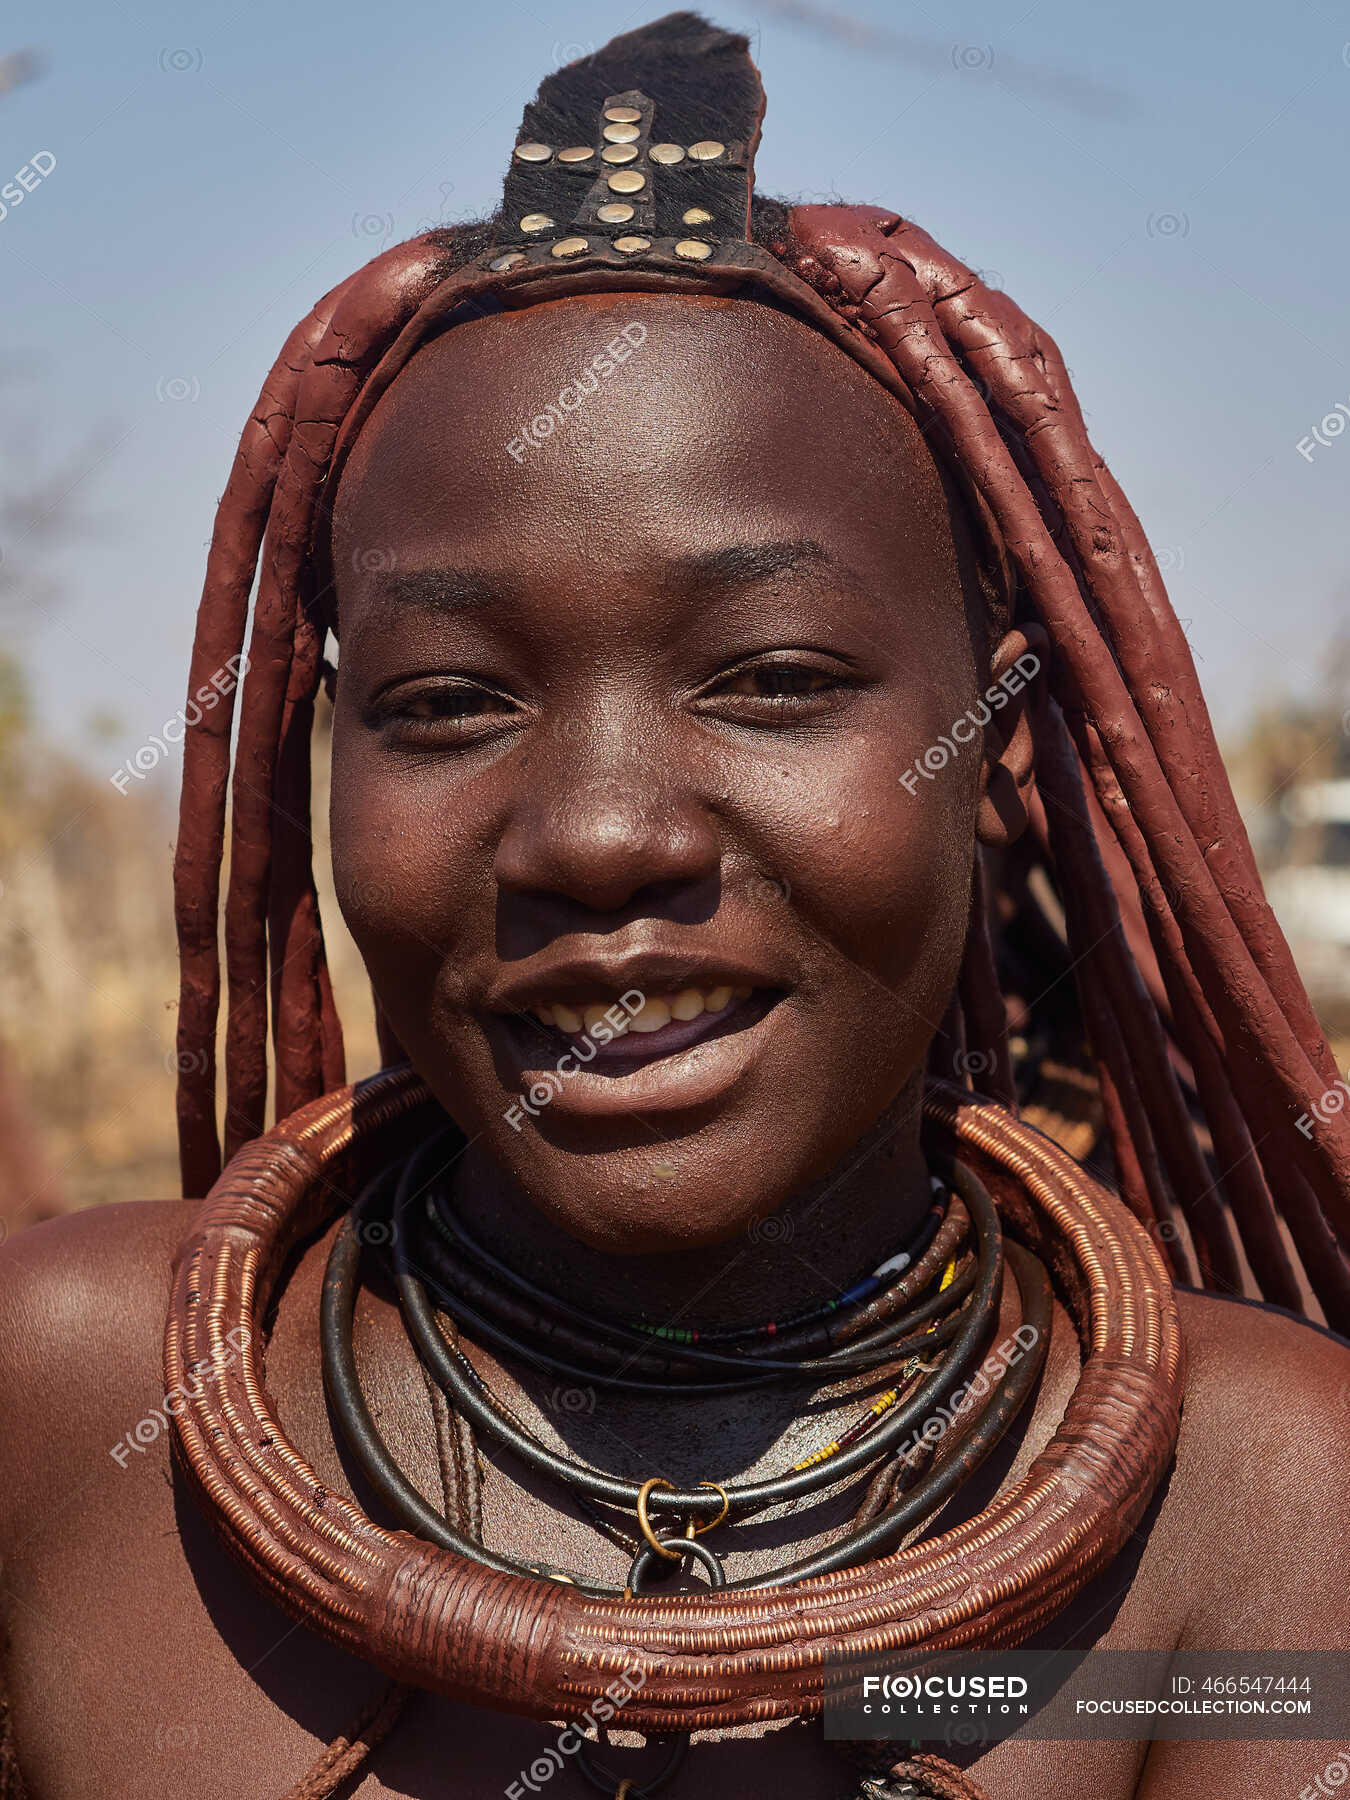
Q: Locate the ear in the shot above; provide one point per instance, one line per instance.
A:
(1014, 691)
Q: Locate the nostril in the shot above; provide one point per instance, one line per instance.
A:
(530, 918)
(687, 901)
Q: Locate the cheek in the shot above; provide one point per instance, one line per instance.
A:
(880, 886)
(402, 860)
(914, 877)
(879, 873)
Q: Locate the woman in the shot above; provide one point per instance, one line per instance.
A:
(734, 625)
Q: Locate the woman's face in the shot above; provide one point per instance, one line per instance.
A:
(623, 712)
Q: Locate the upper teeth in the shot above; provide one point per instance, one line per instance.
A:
(657, 1010)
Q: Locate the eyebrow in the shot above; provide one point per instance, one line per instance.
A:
(454, 591)
(446, 589)
(731, 565)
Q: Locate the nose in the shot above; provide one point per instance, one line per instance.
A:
(609, 838)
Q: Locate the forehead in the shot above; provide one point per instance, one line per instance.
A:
(619, 430)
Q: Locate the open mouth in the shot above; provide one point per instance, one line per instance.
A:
(638, 1034)
(617, 1037)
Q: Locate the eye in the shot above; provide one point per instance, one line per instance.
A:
(779, 681)
(777, 691)
(441, 713)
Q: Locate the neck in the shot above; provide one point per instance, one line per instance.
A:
(868, 1206)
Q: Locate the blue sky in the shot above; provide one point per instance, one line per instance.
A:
(1162, 185)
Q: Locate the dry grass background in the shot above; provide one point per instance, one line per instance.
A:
(89, 979)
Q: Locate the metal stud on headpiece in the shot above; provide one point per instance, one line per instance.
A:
(672, 115)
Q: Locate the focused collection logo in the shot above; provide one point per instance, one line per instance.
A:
(918, 1696)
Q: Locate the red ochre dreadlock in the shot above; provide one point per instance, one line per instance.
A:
(1176, 955)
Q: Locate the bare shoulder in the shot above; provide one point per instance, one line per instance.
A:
(82, 1302)
(1281, 1383)
(67, 1281)
(1259, 1481)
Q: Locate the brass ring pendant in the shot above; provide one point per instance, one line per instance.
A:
(432, 1618)
(645, 1524)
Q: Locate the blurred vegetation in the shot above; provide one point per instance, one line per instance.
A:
(88, 959)
(86, 951)
(89, 975)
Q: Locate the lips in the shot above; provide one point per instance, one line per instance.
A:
(675, 1036)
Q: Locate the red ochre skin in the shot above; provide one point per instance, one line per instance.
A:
(622, 794)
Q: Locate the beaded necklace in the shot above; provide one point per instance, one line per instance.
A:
(851, 1296)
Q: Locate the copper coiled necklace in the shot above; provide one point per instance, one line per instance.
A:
(462, 1622)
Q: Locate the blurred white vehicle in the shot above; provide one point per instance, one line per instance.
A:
(1312, 898)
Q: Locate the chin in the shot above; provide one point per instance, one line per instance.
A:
(660, 1198)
